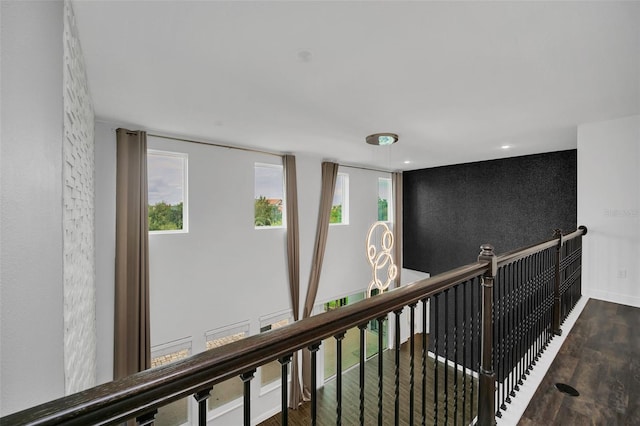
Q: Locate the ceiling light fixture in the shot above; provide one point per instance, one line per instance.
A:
(505, 146)
(382, 139)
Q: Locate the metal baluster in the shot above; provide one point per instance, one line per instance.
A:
(201, 397)
(363, 350)
(246, 380)
(397, 367)
(455, 354)
(339, 337)
(479, 337)
(516, 324)
(503, 335)
(472, 345)
(527, 304)
(446, 357)
(464, 352)
(412, 347)
(436, 332)
(284, 364)
(313, 348)
(147, 418)
(424, 361)
(497, 345)
(380, 369)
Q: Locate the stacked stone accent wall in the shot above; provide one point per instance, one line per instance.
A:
(78, 216)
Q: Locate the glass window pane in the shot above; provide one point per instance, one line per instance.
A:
(271, 372)
(269, 196)
(177, 412)
(230, 390)
(167, 191)
(384, 200)
(340, 204)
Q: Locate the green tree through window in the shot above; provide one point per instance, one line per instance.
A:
(165, 217)
(383, 209)
(267, 212)
(336, 214)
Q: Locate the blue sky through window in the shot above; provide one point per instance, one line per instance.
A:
(269, 182)
(165, 174)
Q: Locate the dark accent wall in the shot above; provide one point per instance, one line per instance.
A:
(450, 211)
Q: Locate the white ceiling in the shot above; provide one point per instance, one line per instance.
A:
(456, 80)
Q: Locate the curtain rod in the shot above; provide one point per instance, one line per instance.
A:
(258, 151)
(371, 169)
(216, 145)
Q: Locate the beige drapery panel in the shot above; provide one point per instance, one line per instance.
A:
(293, 264)
(132, 349)
(329, 176)
(396, 184)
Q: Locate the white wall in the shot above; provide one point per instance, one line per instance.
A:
(105, 219)
(223, 271)
(609, 205)
(31, 307)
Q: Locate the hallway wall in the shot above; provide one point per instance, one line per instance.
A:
(609, 205)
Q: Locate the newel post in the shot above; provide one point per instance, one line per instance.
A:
(555, 325)
(487, 385)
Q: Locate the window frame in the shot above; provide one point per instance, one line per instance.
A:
(219, 333)
(284, 196)
(185, 190)
(345, 199)
(268, 320)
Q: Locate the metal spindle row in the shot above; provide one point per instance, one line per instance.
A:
(527, 295)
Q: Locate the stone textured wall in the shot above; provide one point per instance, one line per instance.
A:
(78, 216)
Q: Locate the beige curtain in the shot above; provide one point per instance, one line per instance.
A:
(293, 263)
(397, 222)
(132, 350)
(329, 176)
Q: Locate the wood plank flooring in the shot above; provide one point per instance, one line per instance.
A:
(601, 359)
(351, 394)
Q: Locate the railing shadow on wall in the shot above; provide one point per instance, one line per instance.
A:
(487, 324)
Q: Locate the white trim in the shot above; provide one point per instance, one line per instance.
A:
(172, 346)
(621, 299)
(227, 330)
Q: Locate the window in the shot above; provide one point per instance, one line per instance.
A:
(230, 390)
(385, 205)
(351, 341)
(269, 196)
(271, 372)
(177, 412)
(167, 191)
(340, 205)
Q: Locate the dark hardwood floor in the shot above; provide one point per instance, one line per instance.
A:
(601, 359)
(351, 394)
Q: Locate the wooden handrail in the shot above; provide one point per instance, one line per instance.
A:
(521, 253)
(132, 396)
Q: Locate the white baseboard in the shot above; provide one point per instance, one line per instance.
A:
(621, 299)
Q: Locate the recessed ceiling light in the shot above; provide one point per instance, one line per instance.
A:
(382, 139)
(505, 146)
(407, 162)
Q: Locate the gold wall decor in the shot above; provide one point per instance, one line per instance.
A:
(379, 247)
